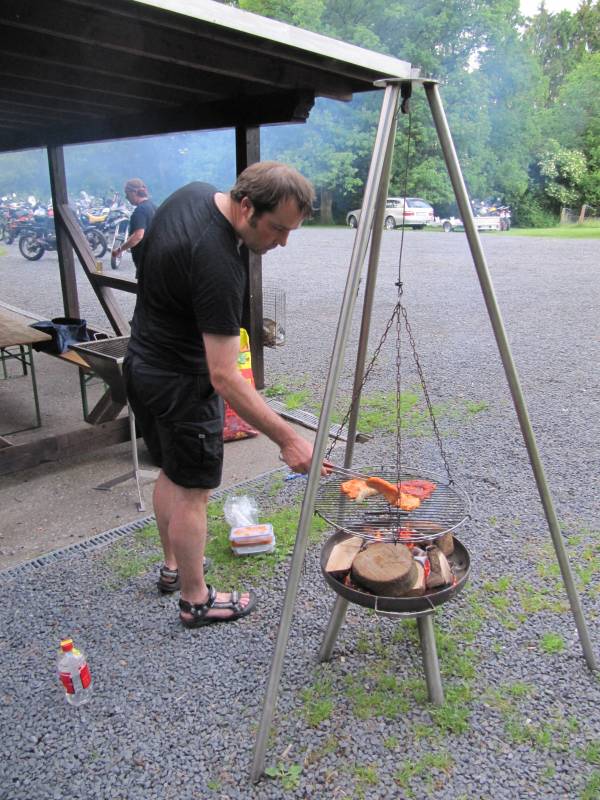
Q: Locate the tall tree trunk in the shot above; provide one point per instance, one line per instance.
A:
(326, 212)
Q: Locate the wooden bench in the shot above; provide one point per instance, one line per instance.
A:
(86, 374)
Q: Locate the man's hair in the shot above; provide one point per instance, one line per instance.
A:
(138, 186)
(267, 183)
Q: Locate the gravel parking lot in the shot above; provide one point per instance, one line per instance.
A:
(174, 712)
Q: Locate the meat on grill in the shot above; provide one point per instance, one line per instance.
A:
(406, 495)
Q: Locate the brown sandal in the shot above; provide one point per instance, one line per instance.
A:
(199, 611)
(168, 579)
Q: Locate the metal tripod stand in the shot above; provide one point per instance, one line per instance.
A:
(371, 226)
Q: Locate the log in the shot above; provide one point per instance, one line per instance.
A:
(418, 586)
(440, 572)
(446, 544)
(342, 554)
(385, 569)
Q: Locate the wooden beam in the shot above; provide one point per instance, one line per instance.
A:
(66, 261)
(247, 151)
(114, 282)
(250, 111)
(63, 446)
(66, 218)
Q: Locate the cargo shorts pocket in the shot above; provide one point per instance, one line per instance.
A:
(197, 443)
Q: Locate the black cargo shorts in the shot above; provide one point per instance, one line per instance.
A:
(181, 419)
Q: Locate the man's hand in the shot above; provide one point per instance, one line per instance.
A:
(116, 252)
(297, 454)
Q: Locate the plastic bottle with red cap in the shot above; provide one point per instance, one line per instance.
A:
(74, 673)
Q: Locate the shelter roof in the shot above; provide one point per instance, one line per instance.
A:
(74, 71)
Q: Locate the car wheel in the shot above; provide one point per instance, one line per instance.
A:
(447, 227)
(389, 224)
(353, 222)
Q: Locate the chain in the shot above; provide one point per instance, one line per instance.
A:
(425, 391)
(368, 371)
(398, 312)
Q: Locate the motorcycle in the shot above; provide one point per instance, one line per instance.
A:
(105, 218)
(16, 219)
(119, 236)
(41, 236)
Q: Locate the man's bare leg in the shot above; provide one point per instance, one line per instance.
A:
(186, 539)
(163, 501)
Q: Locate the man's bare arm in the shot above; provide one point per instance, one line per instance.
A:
(221, 355)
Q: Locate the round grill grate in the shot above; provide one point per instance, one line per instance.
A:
(374, 519)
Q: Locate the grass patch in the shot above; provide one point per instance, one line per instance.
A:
(453, 715)
(231, 570)
(560, 232)
(591, 753)
(552, 643)
(293, 395)
(139, 554)
(374, 693)
(592, 787)
(318, 702)
(425, 771)
(380, 411)
(328, 747)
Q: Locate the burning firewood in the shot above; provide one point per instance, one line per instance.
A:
(440, 573)
(419, 584)
(446, 543)
(385, 569)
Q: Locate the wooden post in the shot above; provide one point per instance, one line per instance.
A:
(66, 260)
(247, 151)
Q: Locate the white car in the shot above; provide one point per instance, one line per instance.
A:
(413, 211)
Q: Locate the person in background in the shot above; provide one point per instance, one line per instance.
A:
(136, 192)
(182, 356)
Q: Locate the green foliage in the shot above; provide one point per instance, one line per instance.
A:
(520, 95)
(287, 774)
(563, 172)
(530, 210)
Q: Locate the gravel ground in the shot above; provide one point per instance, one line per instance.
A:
(174, 712)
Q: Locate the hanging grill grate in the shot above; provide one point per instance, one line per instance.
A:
(374, 519)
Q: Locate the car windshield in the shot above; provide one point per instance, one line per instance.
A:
(415, 202)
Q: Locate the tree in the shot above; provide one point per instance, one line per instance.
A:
(563, 173)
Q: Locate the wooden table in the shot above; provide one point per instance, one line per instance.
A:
(16, 338)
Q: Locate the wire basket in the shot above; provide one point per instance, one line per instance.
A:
(273, 317)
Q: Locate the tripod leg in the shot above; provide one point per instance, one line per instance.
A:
(430, 659)
(335, 623)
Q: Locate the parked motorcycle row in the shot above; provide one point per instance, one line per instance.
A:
(31, 224)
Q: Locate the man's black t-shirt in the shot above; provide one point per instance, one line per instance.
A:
(191, 281)
(141, 218)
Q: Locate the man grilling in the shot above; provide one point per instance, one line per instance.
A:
(182, 360)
